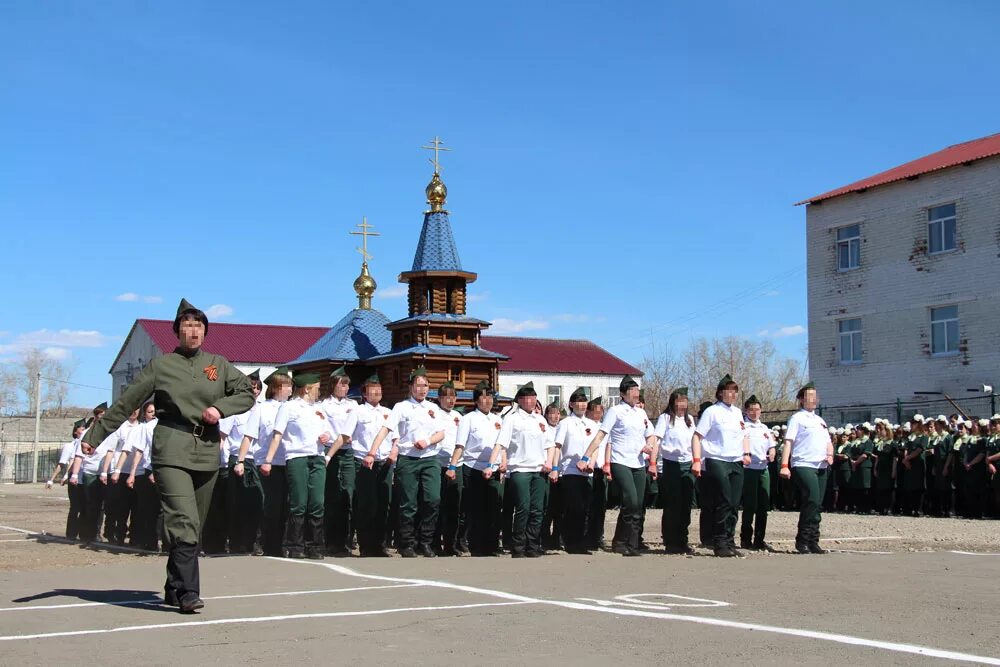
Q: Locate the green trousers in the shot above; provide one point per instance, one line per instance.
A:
(631, 485)
(419, 490)
(676, 493)
(306, 477)
(185, 496)
(373, 490)
(756, 503)
(341, 476)
(528, 496)
(723, 491)
(810, 483)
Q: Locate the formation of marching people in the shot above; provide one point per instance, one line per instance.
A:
(302, 476)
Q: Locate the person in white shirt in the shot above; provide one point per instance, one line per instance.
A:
(477, 434)
(523, 435)
(342, 472)
(756, 479)
(572, 437)
(415, 422)
(447, 537)
(630, 440)
(139, 477)
(76, 502)
(594, 538)
(302, 429)
(119, 499)
(244, 492)
(373, 485)
(551, 519)
(674, 429)
(86, 471)
(722, 437)
(806, 457)
(274, 483)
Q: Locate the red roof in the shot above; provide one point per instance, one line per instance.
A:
(943, 159)
(550, 355)
(256, 343)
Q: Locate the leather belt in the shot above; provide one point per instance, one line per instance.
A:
(197, 430)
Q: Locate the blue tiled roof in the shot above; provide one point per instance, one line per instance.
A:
(441, 317)
(443, 350)
(359, 335)
(436, 249)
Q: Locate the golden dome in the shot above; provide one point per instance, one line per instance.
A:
(365, 287)
(436, 192)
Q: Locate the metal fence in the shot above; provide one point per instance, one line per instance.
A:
(983, 406)
(16, 467)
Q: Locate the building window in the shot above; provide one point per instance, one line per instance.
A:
(850, 341)
(849, 247)
(941, 228)
(614, 397)
(944, 330)
(395, 378)
(457, 375)
(553, 395)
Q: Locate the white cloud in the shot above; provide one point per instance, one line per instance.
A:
(127, 296)
(502, 325)
(783, 332)
(152, 299)
(478, 298)
(218, 311)
(58, 353)
(394, 292)
(62, 338)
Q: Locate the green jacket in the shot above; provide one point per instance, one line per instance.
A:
(182, 386)
(862, 476)
(885, 453)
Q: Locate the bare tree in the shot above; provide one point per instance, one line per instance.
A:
(55, 374)
(8, 391)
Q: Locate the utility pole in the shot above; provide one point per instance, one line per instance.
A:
(38, 426)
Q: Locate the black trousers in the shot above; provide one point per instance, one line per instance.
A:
(215, 532)
(450, 512)
(77, 510)
(145, 519)
(598, 510)
(275, 516)
(373, 493)
(483, 511)
(94, 492)
(574, 493)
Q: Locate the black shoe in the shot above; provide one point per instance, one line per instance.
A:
(257, 551)
(314, 554)
(407, 552)
(290, 553)
(579, 551)
(375, 553)
(426, 552)
(462, 547)
(726, 552)
(484, 554)
(643, 546)
(763, 546)
(746, 545)
(518, 554)
(802, 548)
(534, 554)
(170, 598)
(190, 603)
(679, 551)
(630, 552)
(815, 548)
(338, 552)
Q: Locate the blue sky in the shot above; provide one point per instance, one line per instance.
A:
(623, 172)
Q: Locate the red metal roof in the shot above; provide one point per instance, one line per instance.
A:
(943, 159)
(254, 343)
(550, 355)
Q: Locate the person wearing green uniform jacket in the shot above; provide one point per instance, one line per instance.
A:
(902, 437)
(953, 468)
(861, 460)
(913, 464)
(975, 477)
(842, 468)
(940, 489)
(884, 472)
(993, 464)
(192, 390)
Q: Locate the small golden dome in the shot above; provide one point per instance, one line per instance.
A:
(436, 192)
(365, 287)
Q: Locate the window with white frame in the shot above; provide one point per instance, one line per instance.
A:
(941, 235)
(553, 395)
(849, 247)
(944, 330)
(614, 397)
(850, 341)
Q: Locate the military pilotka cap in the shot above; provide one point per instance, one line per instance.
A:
(526, 390)
(447, 385)
(418, 372)
(255, 376)
(302, 379)
(727, 379)
(578, 395)
(280, 370)
(77, 424)
(627, 383)
(372, 379)
(186, 307)
(681, 391)
(594, 402)
(808, 385)
(339, 373)
(102, 406)
(751, 401)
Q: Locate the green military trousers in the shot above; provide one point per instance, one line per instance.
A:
(676, 493)
(756, 504)
(810, 483)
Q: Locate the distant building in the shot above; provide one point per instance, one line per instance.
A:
(904, 280)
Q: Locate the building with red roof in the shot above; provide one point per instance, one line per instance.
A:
(903, 280)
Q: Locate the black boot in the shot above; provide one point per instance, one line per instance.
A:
(314, 544)
(746, 537)
(294, 546)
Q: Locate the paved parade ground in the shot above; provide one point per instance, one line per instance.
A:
(875, 599)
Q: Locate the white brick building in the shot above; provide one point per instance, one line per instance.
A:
(904, 279)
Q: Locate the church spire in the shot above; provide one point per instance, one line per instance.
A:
(436, 190)
(364, 284)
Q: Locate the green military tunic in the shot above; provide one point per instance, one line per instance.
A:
(914, 477)
(942, 448)
(885, 453)
(861, 477)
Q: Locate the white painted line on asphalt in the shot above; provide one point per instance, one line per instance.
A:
(159, 601)
(17, 530)
(255, 619)
(97, 546)
(851, 539)
(704, 620)
(854, 551)
(975, 553)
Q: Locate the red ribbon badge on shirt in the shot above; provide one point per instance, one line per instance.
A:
(385, 416)
(542, 426)
(587, 431)
(212, 372)
(320, 415)
(742, 425)
(497, 424)
(456, 421)
(431, 413)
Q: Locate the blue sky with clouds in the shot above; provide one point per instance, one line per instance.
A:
(622, 172)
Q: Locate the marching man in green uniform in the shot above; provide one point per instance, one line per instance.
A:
(192, 390)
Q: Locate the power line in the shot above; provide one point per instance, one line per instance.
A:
(75, 384)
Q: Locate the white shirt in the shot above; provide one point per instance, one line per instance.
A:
(66, 455)
(675, 441)
(92, 464)
(140, 442)
(235, 427)
(477, 433)
(300, 424)
(722, 430)
(810, 440)
(365, 423)
(524, 436)
(340, 412)
(412, 421)
(120, 435)
(574, 436)
(761, 440)
(261, 428)
(450, 421)
(627, 427)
